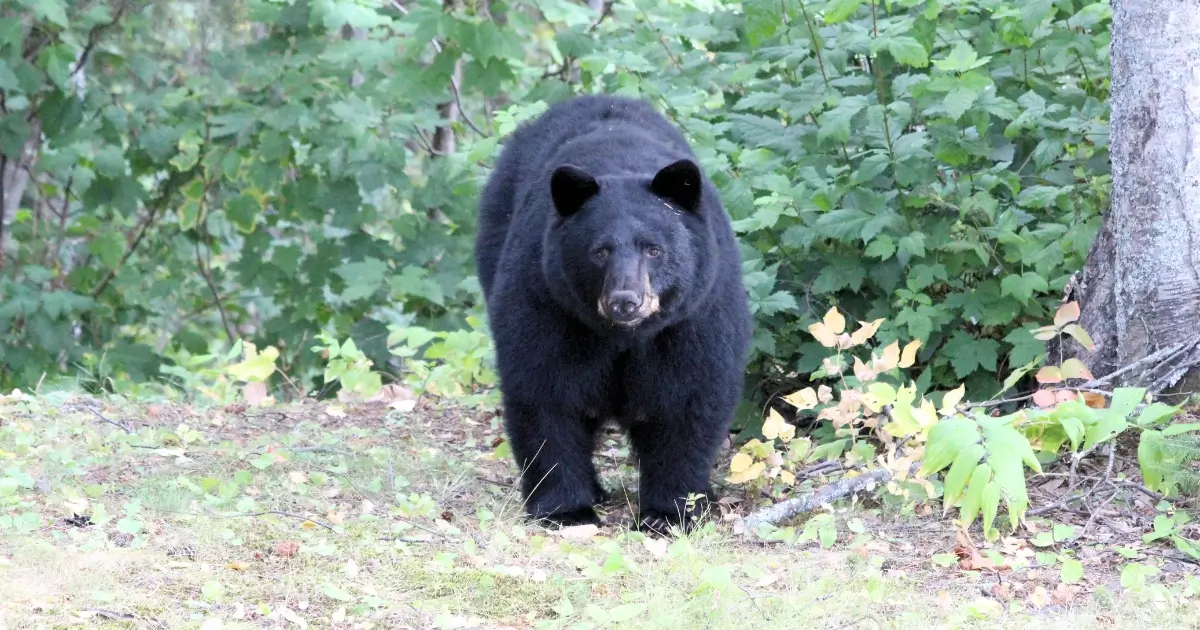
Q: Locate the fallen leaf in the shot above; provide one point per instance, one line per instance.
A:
(1039, 597)
(286, 548)
(1065, 593)
(656, 546)
(255, 393)
(579, 532)
(292, 616)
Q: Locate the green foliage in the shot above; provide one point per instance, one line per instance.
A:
(253, 169)
(879, 421)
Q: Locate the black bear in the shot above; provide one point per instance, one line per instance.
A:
(614, 290)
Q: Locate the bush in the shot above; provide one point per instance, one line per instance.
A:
(941, 165)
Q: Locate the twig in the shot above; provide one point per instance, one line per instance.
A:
(280, 513)
(94, 37)
(437, 47)
(1096, 512)
(1139, 487)
(206, 273)
(1162, 356)
(100, 416)
(175, 182)
(604, 13)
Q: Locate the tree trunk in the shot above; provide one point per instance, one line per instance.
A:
(1140, 288)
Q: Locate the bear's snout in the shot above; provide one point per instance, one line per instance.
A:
(623, 305)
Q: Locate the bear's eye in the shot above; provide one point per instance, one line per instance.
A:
(601, 254)
(653, 251)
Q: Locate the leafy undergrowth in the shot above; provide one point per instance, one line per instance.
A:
(121, 515)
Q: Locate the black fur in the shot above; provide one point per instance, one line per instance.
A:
(596, 213)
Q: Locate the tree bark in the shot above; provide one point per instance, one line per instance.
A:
(1140, 288)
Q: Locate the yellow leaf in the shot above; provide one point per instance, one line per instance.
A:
(740, 462)
(909, 356)
(884, 393)
(750, 474)
(926, 415)
(823, 335)
(835, 322)
(256, 366)
(952, 398)
(803, 399)
(891, 356)
(775, 427)
(862, 372)
(787, 477)
(866, 331)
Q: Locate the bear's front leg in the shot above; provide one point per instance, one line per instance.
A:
(677, 455)
(554, 452)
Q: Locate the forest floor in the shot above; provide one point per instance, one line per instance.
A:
(116, 514)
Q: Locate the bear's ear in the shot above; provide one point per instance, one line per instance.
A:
(570, 187)
(680, 182)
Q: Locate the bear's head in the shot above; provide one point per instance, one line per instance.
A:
(630, 253)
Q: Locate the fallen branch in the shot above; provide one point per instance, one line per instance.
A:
(791, 508)
(101, 417)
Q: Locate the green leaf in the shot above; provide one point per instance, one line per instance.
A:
(959, 473)
(1183, 427)
(882, 248)
(763, 18)
(908, 51)
(189, 214)
(9, 83)
(912, 244)
(1107, 425)
(968, 354)
(14, 131)
(981, 478)
(840, 10)
(363, 278)
(110, 161)
(958, 101)
(946, 440)
(777, 302)
(1155, 413)
(109, 247)
(1023, 287)
(334, 592)
(1125, 400)
(1071, 571)
(1025, 348)
(52, 10)
(835, 123)
(990, 506)
(961, 59)
(243, 212)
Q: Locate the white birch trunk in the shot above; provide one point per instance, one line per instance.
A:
(1140, 289)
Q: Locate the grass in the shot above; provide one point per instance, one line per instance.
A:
(360, 517)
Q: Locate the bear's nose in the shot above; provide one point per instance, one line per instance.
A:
(624, 303)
